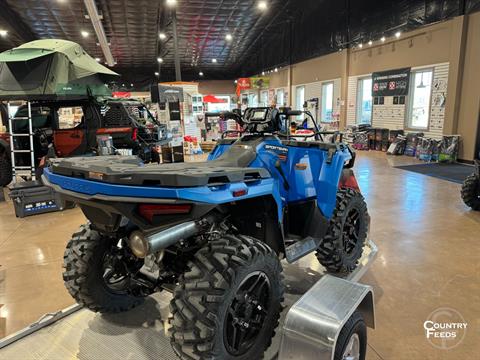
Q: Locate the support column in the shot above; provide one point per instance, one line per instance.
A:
(455, 74)
(178, 71)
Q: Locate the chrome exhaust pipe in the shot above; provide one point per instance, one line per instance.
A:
(143, 245)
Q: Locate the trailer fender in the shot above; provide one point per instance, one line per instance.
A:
(314, 322)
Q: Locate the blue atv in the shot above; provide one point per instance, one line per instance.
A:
(214, 232)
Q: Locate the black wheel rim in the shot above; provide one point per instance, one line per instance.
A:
(351, 231)
(115, 273)
(247, 313)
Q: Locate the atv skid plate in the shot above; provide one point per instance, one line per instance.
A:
(142, 333)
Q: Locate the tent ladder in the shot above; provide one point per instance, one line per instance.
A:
(18, 170)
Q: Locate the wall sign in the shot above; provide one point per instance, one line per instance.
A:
(391, 83)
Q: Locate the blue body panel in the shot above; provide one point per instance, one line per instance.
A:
(319, 180)
(309, 174)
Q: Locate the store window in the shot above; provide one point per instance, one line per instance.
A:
(364, 101)
(419, 102)
(264, 98)
(300, 97)
(69, 117)
(280, 97)
(252, 100)
(326, 111)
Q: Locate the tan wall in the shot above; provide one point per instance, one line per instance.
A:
(216, 87)
(280, 79)
(469, 99)
(418, 48)
(436, 44)
(319, 69)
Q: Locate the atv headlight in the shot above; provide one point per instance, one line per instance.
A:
(138, 244)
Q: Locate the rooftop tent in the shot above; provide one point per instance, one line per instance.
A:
(51, 69)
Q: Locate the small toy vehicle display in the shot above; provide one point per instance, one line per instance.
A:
(471, 189)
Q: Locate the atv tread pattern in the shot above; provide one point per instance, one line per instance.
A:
(79, 262)
(470, 191)
(5, 170)
(203, 289)
(330, 252)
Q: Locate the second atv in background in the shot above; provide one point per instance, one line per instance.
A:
(471, 189)
(71, 129)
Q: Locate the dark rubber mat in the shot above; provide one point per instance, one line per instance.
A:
(456, 173)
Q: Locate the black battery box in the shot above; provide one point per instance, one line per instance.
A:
(32, 197)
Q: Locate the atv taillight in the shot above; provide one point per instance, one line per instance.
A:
(135, 134)
(349, 182)
(148, 211)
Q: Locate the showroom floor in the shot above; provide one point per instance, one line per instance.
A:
(428, 257)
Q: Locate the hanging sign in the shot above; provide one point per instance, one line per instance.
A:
(391, 83)
(260, 82)
(243, 84)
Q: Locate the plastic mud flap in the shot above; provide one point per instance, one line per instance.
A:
(351, 162)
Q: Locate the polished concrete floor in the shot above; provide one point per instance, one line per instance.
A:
(429, 258)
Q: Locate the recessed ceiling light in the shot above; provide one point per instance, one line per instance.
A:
(160, 60)
(229, 37)
(157, 73)
(214, 61)
(131, 85)
(262, 5)
(200, 73)
(236, 81)
(276, 69)
(3, 33)
(171, 3)
(162, 36)
(123, 85)
(383, 38)
(360, 45)
(398, 34)
(84, 33)
(263, 73)
(98, 59)
(370, 43)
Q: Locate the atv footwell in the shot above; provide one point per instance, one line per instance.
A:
(141, 332)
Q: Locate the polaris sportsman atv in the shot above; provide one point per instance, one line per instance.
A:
(471, 189)
(213, 233)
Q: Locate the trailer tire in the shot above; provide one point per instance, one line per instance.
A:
(471, 192)
(84, 273)
(352, 341)
(228, 305)
(338, 252)
(5, 169)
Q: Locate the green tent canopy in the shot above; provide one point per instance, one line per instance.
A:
(51, 69)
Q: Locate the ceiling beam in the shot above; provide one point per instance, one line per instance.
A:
(99, 31)
(11, 19)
